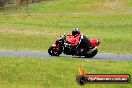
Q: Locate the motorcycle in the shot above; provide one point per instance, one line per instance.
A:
(63, 45)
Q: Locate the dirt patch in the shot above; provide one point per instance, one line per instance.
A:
(114, 4)
(104, 5)
(26, 32)
(91, 5)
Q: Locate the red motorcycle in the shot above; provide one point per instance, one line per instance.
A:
(62, 45)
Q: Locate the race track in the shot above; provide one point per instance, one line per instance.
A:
(38, 54)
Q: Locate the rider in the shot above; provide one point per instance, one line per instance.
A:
(83, 41)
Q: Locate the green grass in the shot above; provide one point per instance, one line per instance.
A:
(18, 72)
(71, 6)
(79, 6)
(39, 31)
(33, 28)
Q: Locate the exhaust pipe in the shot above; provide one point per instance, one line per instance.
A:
(95, 48)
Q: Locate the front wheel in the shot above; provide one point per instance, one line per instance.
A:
(90, 55)
(54, 51)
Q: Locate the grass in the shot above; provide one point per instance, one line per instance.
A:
(80, 6)
(35, 27)
(18, 72)
(71, 6)
(39, 31)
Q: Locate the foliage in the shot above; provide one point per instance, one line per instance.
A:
(2, 2)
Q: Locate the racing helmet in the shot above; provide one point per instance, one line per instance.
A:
(75, 32)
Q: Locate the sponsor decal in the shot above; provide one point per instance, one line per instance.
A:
(83, 78)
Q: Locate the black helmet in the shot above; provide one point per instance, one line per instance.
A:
(75, 32)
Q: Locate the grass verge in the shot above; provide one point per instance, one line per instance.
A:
(18, 72)
(39, 31)
(71, 6)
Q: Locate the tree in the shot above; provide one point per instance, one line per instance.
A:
(3, 3)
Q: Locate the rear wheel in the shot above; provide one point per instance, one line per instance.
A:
(91, 54)
(54, 51)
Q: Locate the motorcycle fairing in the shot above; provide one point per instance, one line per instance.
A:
(94, 42)
(55, 46)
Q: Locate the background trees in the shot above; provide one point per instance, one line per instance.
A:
(3, 2)
(19, 2)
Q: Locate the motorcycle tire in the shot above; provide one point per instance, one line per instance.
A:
(53, 52)
(91, 54)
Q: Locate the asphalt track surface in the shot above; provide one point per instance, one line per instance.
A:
(38, 54)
